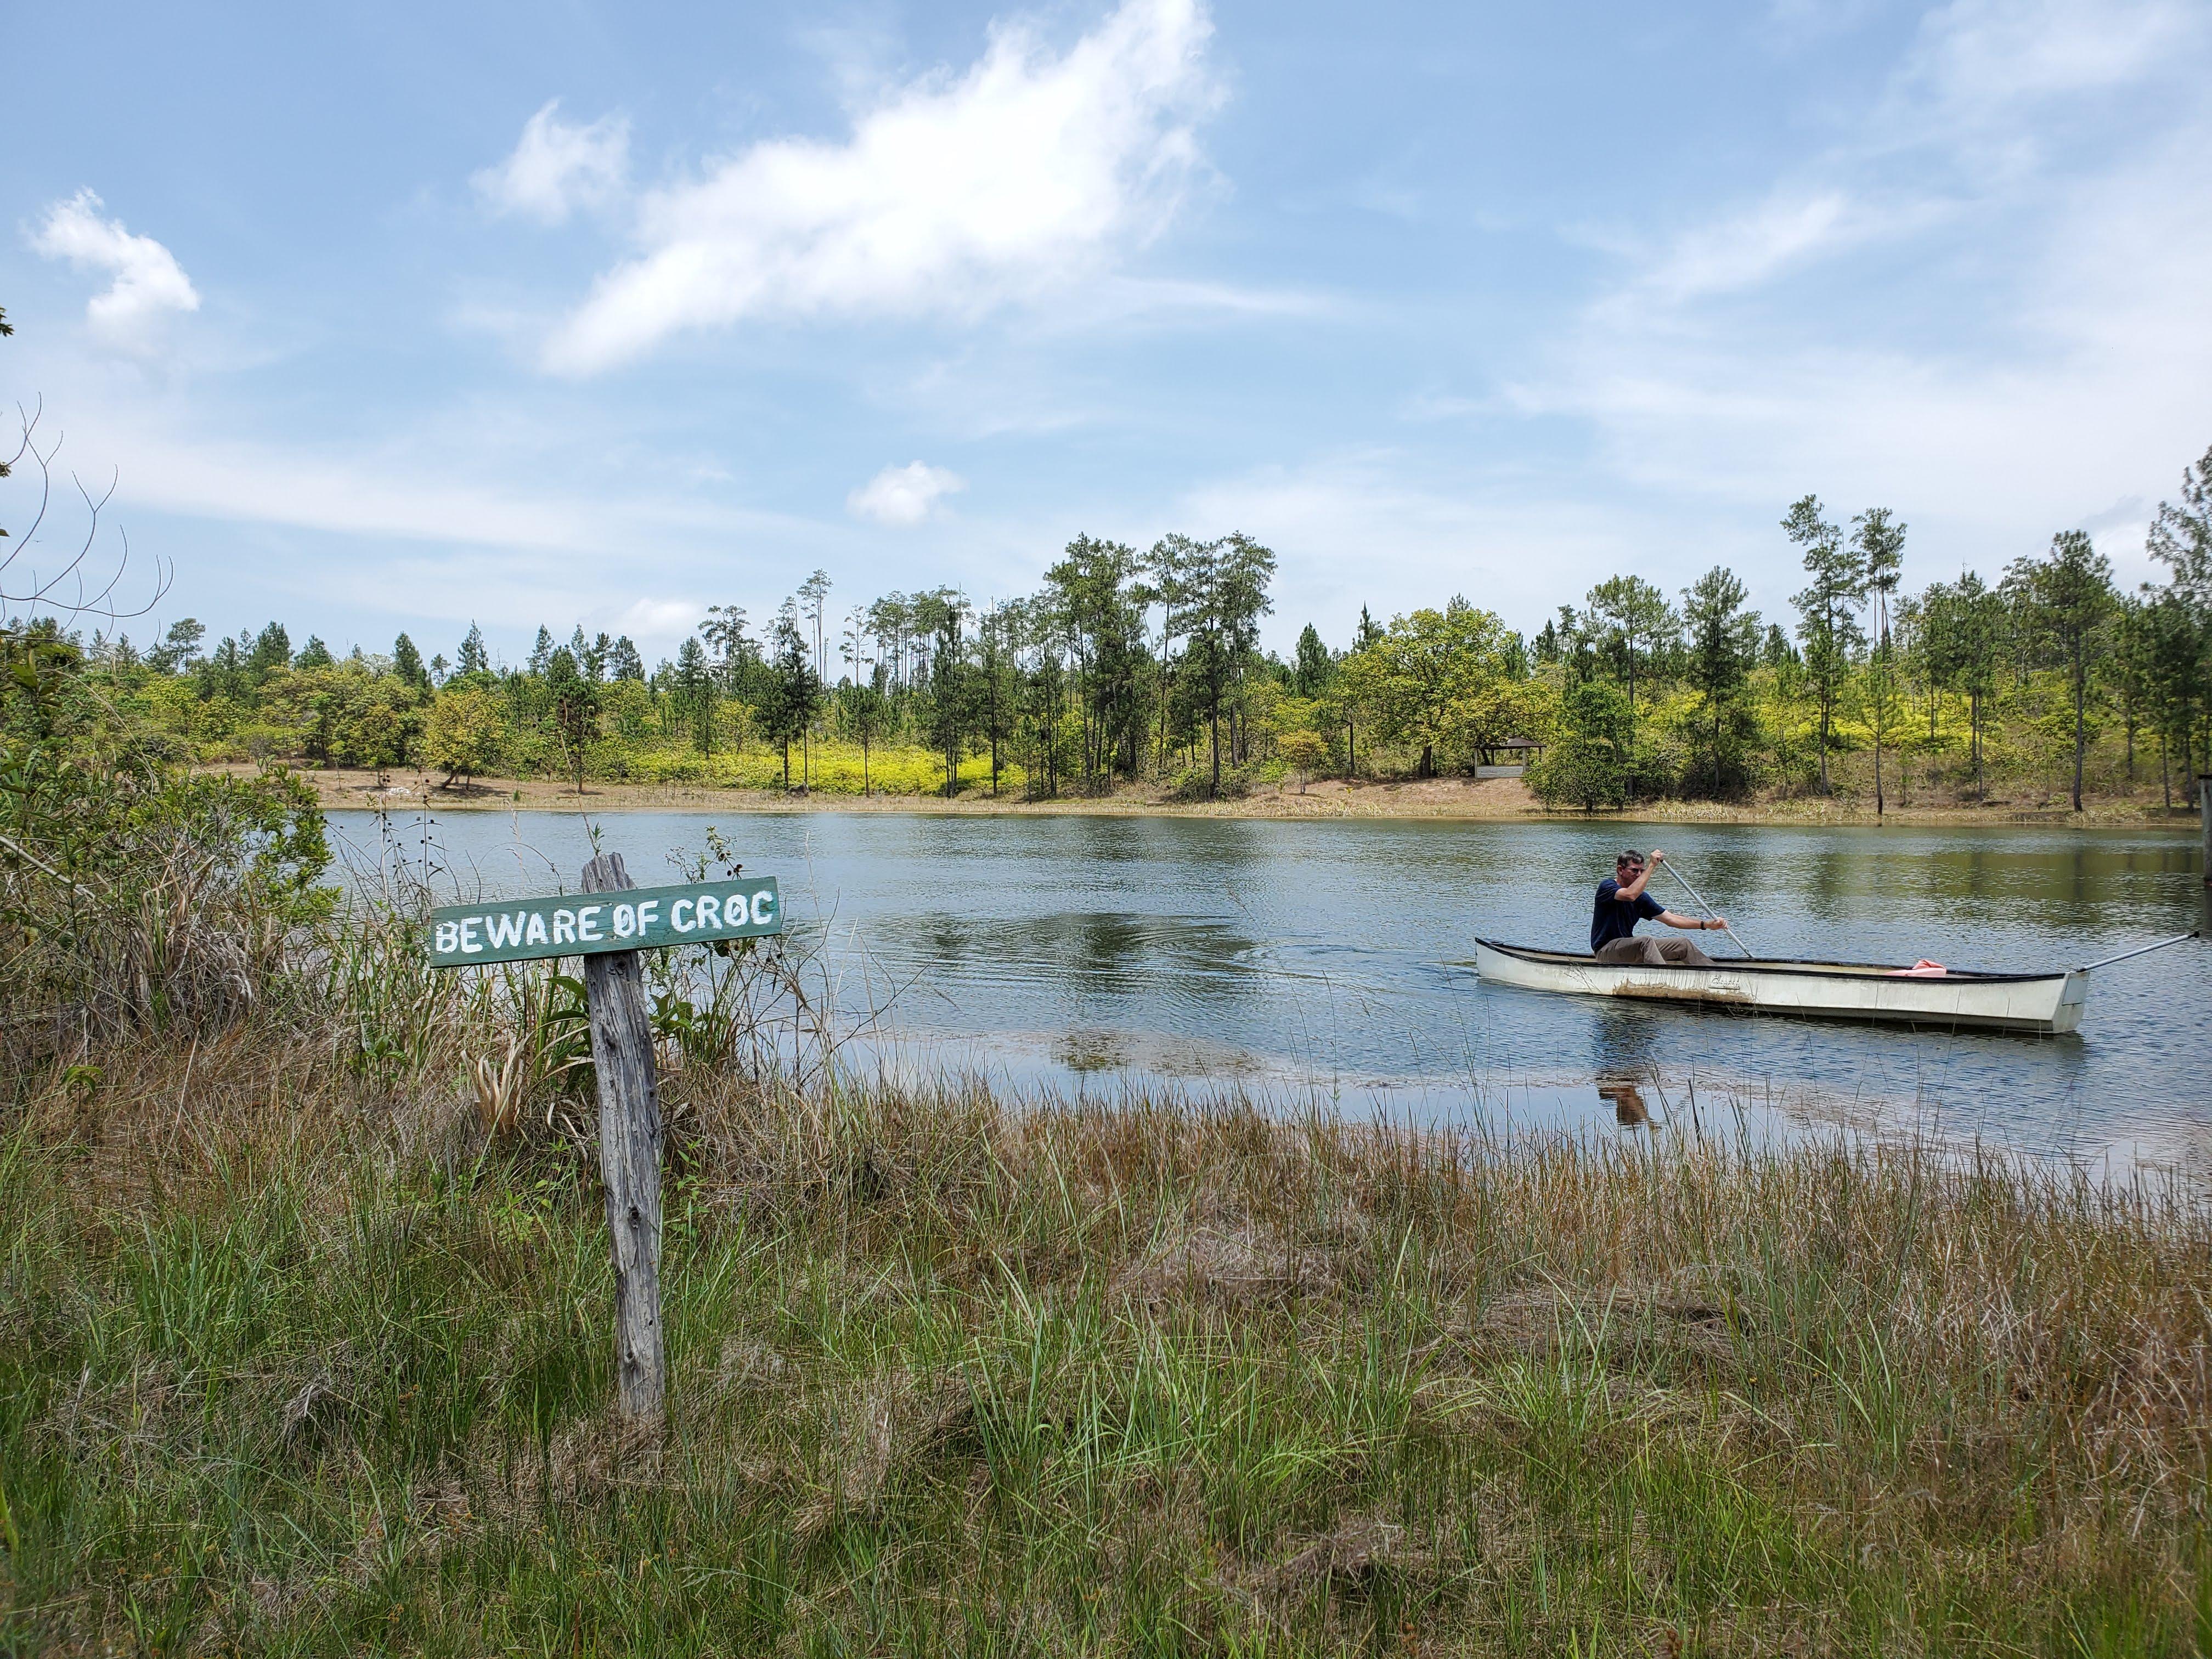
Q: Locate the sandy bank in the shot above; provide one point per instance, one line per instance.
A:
(1491, 800)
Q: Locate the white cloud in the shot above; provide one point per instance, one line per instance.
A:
(658, 620)
(1960, 124)
(903, 495)
(2019, 339)
(558, 167)
(149, 284)
(953, 194)
(1742, 252)
(1382, 529)
(1979, 62)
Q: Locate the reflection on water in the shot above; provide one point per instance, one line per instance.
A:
(1328, 960)
(1629, 1107)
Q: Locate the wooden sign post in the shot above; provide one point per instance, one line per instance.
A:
(607, 934)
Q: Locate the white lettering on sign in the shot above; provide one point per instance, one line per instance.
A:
(554, 926)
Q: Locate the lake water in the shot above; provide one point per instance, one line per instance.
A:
(1326, 959)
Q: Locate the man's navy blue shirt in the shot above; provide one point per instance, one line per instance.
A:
(1612, 920)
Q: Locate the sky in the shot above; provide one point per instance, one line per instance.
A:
(403, 317)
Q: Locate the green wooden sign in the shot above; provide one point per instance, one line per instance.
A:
(583, 924)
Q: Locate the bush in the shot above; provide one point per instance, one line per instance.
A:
(1589, 765)
(1303, 752)
(132, 895)
(1197, 784)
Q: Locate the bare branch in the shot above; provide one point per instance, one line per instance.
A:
(84, 588)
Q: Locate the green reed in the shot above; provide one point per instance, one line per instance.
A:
(296, 1361)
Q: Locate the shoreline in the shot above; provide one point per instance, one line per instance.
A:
(1491, 801)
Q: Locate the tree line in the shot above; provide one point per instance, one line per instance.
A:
(1130, 667)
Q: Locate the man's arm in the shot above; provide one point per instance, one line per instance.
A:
(1694, 924)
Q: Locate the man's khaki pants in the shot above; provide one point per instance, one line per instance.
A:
(1633, 952)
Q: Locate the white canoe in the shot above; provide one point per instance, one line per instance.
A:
(2043, 1003)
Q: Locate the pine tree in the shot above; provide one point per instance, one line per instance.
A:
(575, 709)
(2067, 596)
(1828, 609)
(693, 681)
(814, 593)
(791, 691)
(474, 658)
(1723, 644)
(271, 649)
(179, 647)
(1314, 664)
(1879, 545)
(407, 664)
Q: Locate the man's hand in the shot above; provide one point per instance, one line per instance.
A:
(1720, 922)
(1657, 858)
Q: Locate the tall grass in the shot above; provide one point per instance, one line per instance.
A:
(306, 1355)
(305, 1301)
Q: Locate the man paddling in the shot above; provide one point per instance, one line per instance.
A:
(1622, 902)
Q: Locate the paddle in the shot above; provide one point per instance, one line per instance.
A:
(2140, 950)
(1706, 908)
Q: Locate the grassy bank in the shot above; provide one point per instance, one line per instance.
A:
(295, 1356)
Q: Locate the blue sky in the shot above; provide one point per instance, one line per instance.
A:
(397, 317)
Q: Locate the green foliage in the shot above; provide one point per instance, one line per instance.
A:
(575, 710)
(1444, 682)
(1718, 659)
(1122, 1380)
(1828, 625)
(1592, 763)
(1303, 751)
(1629, 621)
(1142, 667)
(2067, 598)
(1315, 665)
(132, 895)
(407, 665)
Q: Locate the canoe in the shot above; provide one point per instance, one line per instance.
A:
(2043, 1003)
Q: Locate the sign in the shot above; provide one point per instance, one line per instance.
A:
(585, 924)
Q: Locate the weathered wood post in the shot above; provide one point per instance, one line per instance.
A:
(2204, 820)
(630, 1153)
(609, 937)
(2204, 829)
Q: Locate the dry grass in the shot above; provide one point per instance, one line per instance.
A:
(296, 1359)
